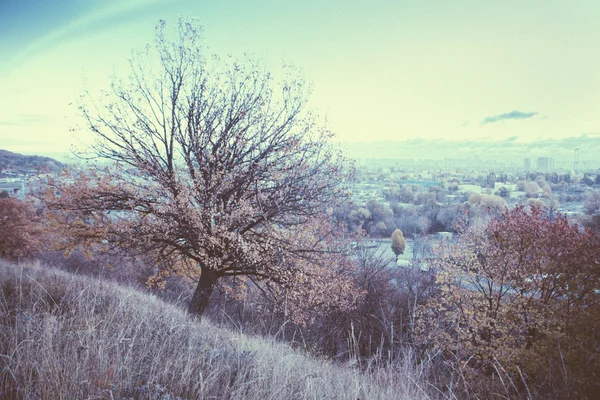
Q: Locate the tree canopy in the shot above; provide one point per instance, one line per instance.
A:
(398, 242)
(220, 171)
(19, 232)
(523, 291)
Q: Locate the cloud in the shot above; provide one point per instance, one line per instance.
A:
(511, 115)
(26, 119)
(512, 149)
(92, 19)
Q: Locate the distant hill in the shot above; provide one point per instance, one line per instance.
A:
(23, 163)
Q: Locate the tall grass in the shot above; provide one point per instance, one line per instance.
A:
(64, 336)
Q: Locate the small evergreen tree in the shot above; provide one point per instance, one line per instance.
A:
(398, 242)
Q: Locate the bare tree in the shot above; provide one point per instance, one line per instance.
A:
(592, 202)
(220, 170)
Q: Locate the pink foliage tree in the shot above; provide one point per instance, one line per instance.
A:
(518, 290)
(220, 172)
(19, 230)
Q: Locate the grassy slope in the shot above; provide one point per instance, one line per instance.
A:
(65, 337)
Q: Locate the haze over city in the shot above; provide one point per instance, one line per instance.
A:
(499, 79)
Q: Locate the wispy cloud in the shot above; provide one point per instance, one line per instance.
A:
(26, 119)
(512, 149)
(511, 115)
(95, 18)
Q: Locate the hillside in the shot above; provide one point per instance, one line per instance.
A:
(67, 336)
(23, 163)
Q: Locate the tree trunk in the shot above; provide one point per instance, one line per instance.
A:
(204, 290)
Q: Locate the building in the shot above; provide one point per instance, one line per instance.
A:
(527, 164)
(13, 189)
(545, 163)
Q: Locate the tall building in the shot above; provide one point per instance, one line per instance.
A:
(450, 163)
(527, 164)
(545, 163)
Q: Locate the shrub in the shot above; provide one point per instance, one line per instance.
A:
(19, 230)
(519, 296)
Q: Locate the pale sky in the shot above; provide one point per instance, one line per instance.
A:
(382, 70)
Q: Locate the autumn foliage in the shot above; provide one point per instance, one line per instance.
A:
(519, 300)
(19, 231)
(220, 173)
(398, 242)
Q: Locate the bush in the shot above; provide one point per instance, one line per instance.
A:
(517, 300)
(19, 230)
(592, 202)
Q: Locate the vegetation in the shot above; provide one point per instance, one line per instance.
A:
(21, 163)
(19, 229)
(398, 242)
(505, 308)
(485, 205)
(66, 336)
(518, 301)
(592, 202)
(221, 173)
(225, 187)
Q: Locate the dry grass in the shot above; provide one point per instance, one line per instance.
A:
(64, 336)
